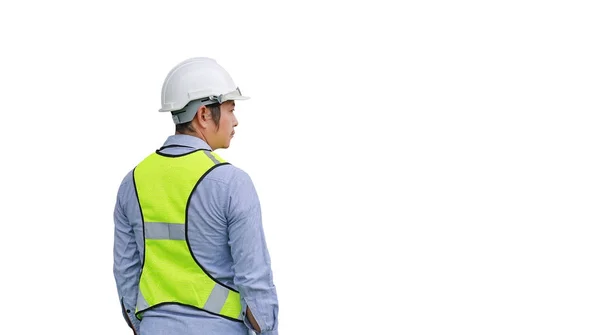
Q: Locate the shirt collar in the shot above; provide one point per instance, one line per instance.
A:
(188, 141)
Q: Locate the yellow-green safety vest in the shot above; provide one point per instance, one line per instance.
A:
(170, 272)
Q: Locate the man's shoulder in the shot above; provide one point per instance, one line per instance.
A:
(126, 183)
(128, 178)
(229, 174)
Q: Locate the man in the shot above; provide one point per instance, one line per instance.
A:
(190, 255)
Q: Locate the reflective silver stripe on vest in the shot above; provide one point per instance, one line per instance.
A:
(141, 302)
(164, 231)
(217, 298)
(212, 158)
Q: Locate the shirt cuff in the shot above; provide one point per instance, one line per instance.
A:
(135, 322)
(129, 315)
(249, 325)
(244, 317)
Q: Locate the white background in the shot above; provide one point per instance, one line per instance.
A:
(430, 167)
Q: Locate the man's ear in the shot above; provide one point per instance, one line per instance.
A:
(203, 116)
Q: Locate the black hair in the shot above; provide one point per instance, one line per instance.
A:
(215, 113)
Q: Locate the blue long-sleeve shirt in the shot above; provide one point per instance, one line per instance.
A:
(226, 236)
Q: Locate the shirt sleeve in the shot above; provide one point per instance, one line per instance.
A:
(127, 264)
(251, 260)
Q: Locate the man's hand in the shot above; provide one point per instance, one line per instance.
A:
(252, 320)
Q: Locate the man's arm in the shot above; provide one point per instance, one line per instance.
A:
(126, 264)
(251, 260)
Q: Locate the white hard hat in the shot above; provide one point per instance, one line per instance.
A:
(200, 80)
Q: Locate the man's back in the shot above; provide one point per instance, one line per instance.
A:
(225, 236)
